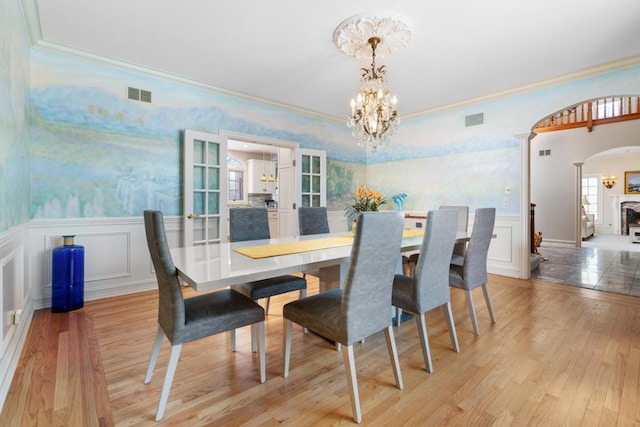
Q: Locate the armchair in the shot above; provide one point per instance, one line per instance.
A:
(588, 225)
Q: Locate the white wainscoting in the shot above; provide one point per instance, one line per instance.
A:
(116, 256)
(15, 301)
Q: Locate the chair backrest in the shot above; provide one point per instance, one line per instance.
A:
(171, 316)
(463, 216)
(248, 224)
(432, 271)
(312, 221)
(474, 270)
(366, 298)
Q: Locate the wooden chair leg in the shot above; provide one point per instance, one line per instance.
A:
(393, 355)
(421, 324)
(155, 350)
(472, 311)
(286, 346)
(350, 368)
(168, 379)
(487, 299)
(448, 315)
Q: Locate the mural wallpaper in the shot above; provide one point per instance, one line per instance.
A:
(14, 121)
(95, 153)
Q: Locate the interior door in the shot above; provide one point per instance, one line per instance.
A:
(312, 178)
(287, 214)
(205, 188)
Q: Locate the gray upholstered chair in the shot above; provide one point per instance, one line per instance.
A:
(428, 288)
(183, 320)
(473, 271)
(363, 308)
(459, 248)
(313, 221)
(463, 225)
(253, 224)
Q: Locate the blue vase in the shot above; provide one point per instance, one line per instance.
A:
(67, 277)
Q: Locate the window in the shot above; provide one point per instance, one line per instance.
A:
(236, 179)
(591, 190)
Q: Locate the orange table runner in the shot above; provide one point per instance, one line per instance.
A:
(288, 248)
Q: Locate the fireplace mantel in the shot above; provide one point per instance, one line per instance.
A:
(617, 200)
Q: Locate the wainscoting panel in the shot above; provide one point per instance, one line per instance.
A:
(15, 301)
(117, 259)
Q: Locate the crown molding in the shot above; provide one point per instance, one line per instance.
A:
(32, 20)
(52, 47)
(608, 67)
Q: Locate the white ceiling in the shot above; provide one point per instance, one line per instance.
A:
(283, 51)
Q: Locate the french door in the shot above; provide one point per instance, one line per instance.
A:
(205, 188)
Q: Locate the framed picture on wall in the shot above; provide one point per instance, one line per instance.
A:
(632, 182)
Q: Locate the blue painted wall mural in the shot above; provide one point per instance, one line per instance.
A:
(96, 153)
(14, 117)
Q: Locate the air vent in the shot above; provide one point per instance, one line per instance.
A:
(136, 94)
(474, 119)
(546, 152)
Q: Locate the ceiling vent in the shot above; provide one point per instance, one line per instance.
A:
(136, 94)
(474, 119)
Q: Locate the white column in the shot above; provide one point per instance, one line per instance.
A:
(578, 201)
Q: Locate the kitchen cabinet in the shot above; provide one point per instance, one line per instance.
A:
(274, 229)
(258, 168)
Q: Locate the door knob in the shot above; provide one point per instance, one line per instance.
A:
(192, 215)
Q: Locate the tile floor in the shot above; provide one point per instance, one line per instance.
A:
(593, 268)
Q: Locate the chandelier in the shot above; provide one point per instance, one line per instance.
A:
(374, 116)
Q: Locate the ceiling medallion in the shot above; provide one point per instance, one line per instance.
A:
(374, 117)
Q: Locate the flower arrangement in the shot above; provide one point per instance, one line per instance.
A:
(365, 200)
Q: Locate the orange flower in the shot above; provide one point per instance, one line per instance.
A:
(365, 200)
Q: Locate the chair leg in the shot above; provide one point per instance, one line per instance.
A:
(393, 355)
(350, 368)
(253, 338)
(232, 335)
(398, 317)
(472, 311)
(155, 350)
(266, 310)
(286, 346)
(261, 364)
(487, 299)
(168, 379)
(448, 315)
(303, 294)
(421, 324)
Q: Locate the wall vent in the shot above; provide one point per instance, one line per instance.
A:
(136, 94)
(546, 152)
(474, 119)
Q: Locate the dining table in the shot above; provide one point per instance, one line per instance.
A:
(214, 266)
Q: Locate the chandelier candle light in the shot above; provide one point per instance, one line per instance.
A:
(374, 115)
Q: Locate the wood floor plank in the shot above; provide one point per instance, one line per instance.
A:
(557, 355)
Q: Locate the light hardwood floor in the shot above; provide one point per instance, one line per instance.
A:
(557, 355)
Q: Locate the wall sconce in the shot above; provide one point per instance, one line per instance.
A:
(609, 181)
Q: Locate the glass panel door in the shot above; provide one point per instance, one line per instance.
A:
(205, 193)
